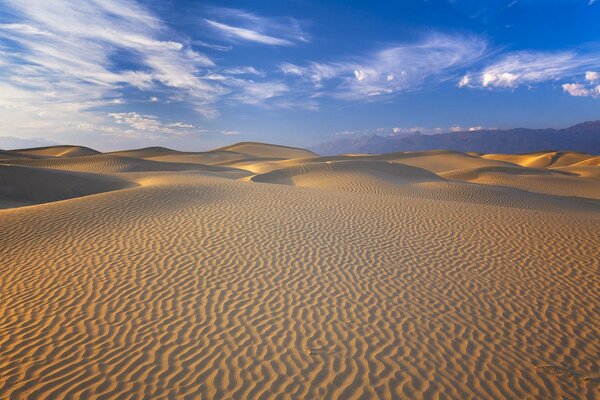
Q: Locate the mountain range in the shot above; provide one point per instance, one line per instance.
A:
(584, 137)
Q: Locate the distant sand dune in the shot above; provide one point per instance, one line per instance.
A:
(268, 150)
(408, 275)
(105, 163)
(21, 186)
(550, 181)
(58, 151)
(543, 159)
(348, 174)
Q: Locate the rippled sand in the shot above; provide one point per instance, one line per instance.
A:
(256, 271)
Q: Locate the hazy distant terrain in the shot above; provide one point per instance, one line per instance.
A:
(263, 271)
(584, 137)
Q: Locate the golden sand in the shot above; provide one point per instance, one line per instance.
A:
(260, 271)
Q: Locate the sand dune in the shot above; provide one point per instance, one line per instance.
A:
(408, 275)
(560, 182)
(343, 174)
(543, 159)
(434, 161)
(22, 186)
(268, 150)
(107, 163)
(58, 151)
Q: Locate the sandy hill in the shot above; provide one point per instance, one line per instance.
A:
(240, 152)
(348, 175)
(107, 163)
(145, 152)
(268, 150)
(261, 271)
(543, 159)
(58, 151)
(10, 155)
(21, 186)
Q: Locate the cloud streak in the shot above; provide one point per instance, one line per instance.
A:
(528, 68)
(60, 66)
(243, 26)
(392, 70)
(247, 34)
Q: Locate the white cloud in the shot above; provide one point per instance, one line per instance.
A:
(592, 76)
(257, 93)
(247, 34)
(212, 46)
(576, 89)
(241, 25)
(60, 68)
(527, 68)
(61, 45)
(151, 124)
(581, 90)
(244, 71)
(465, 80)
(394, 69)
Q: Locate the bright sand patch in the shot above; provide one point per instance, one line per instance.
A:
(354, 279)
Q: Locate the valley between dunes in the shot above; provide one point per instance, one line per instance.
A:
(264, 271)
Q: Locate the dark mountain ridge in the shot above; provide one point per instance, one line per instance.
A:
(584, 137)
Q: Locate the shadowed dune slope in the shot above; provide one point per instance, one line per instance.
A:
(20, 186)
(7, 155)
(58, 151)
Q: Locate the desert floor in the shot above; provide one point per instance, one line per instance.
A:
(262, 271)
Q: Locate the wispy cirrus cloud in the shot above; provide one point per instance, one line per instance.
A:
(243, 26)
(392, 70)
(247, 34)
(531, 67)
(61, 65)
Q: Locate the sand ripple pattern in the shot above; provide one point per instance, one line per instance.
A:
(199, 287)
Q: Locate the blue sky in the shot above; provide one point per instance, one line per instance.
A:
(194, 75)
